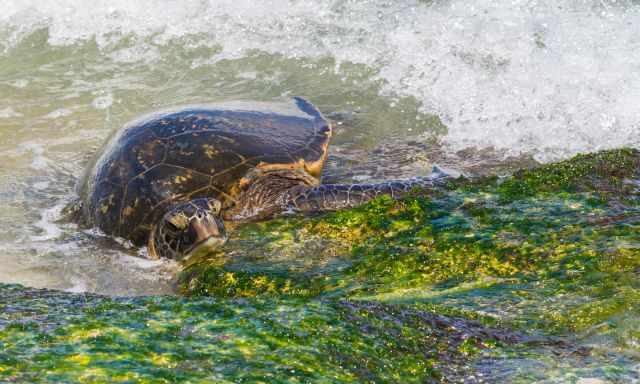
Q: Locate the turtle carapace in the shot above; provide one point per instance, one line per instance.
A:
(171, 180)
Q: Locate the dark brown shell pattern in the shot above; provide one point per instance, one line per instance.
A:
(192, 153)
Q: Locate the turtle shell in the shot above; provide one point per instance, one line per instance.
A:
(199, 151)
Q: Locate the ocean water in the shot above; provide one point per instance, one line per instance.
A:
(475, 86)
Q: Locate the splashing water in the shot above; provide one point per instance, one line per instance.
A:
(549, 78)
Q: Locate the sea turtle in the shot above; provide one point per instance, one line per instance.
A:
(170, 180)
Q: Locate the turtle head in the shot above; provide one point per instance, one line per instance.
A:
(187, 229)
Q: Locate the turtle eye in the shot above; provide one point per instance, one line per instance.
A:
(214, 205)
(178, 222)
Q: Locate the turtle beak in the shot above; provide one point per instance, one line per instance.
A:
(207, 234)
(206, 247)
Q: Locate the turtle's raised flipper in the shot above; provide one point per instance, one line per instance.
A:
(308, 108)
(331, 197)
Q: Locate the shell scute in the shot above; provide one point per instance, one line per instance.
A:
(147, 192)
(182, 122)
(106, 203)
(206, 153)
(142, 155)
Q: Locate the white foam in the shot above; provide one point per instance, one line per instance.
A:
(9, 112)
(79, 286)
(549, 77)
(41, 185)
(47, 225)
(552, 78)
(252, 75)
(39, 162)
(58, 113)
(20, 83)
(144, 263)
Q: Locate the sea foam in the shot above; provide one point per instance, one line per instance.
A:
(546, 77)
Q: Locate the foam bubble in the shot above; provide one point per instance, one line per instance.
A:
(102, 102)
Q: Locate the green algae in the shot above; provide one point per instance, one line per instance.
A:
(48, 336)
(527, 278)
(555, 248)
(603, 172)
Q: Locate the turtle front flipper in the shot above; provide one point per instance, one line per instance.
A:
(331, 197)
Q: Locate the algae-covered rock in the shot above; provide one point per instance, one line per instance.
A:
(529, 278)
(553, 250)
(611, 174)
(49, 336)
